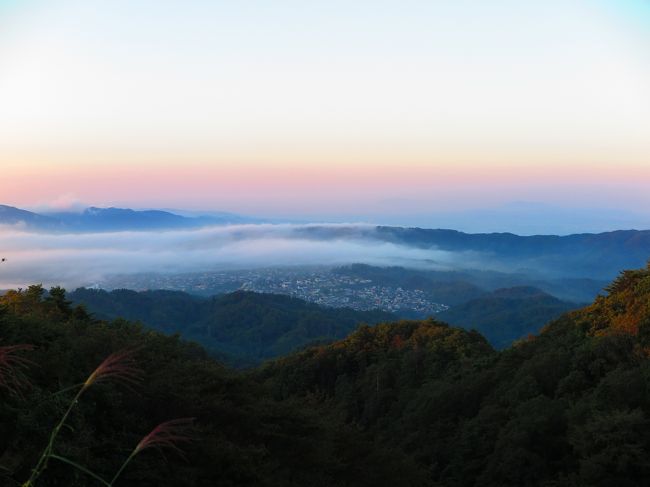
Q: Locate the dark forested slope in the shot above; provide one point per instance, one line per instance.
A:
(242, 327)
(506, 315)
(406, 403)
(570, 407)
(242, 436)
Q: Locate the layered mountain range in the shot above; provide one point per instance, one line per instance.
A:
(240, 328)
(579, 256)
(406, 403)
(245, 328)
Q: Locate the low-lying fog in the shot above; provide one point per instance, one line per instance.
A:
(77, 259)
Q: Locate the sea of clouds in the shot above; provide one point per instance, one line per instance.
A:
(74, 259)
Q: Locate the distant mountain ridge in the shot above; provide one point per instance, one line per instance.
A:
(10, 215)
(95, 219)
(584, 255)
(578, 256)
(599, 255)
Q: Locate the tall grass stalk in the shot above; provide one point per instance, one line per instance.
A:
(47, 453)
(118, 367)
(165, 435)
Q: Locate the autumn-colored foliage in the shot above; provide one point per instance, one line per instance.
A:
(411, 403)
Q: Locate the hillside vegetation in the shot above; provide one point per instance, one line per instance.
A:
(242, 328)
(242, 437)
(570, 407)
(402, 404)
(506, 315)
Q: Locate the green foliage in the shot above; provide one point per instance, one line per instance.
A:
(570, 407)
(507, 314)
(406, 403)
(243, 436)
(241, 328)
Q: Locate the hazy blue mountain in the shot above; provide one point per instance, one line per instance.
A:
(103, 219)
(505, 315)
(594, 256)
(220, 216)
(548, 258)
(95, 219)
(12, 216)
(598, 255)
(522, 218)
(115, 219)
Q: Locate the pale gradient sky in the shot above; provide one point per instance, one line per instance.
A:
(313, 108)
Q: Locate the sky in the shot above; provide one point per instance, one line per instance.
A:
(372, 110)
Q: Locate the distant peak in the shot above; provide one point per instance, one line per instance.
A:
(519, 292)
(94, 210)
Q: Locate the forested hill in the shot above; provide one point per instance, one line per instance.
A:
(506, 315)
(242, 328)
(241, 435)
(570, 407)
(245, 328)
(411, 403)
